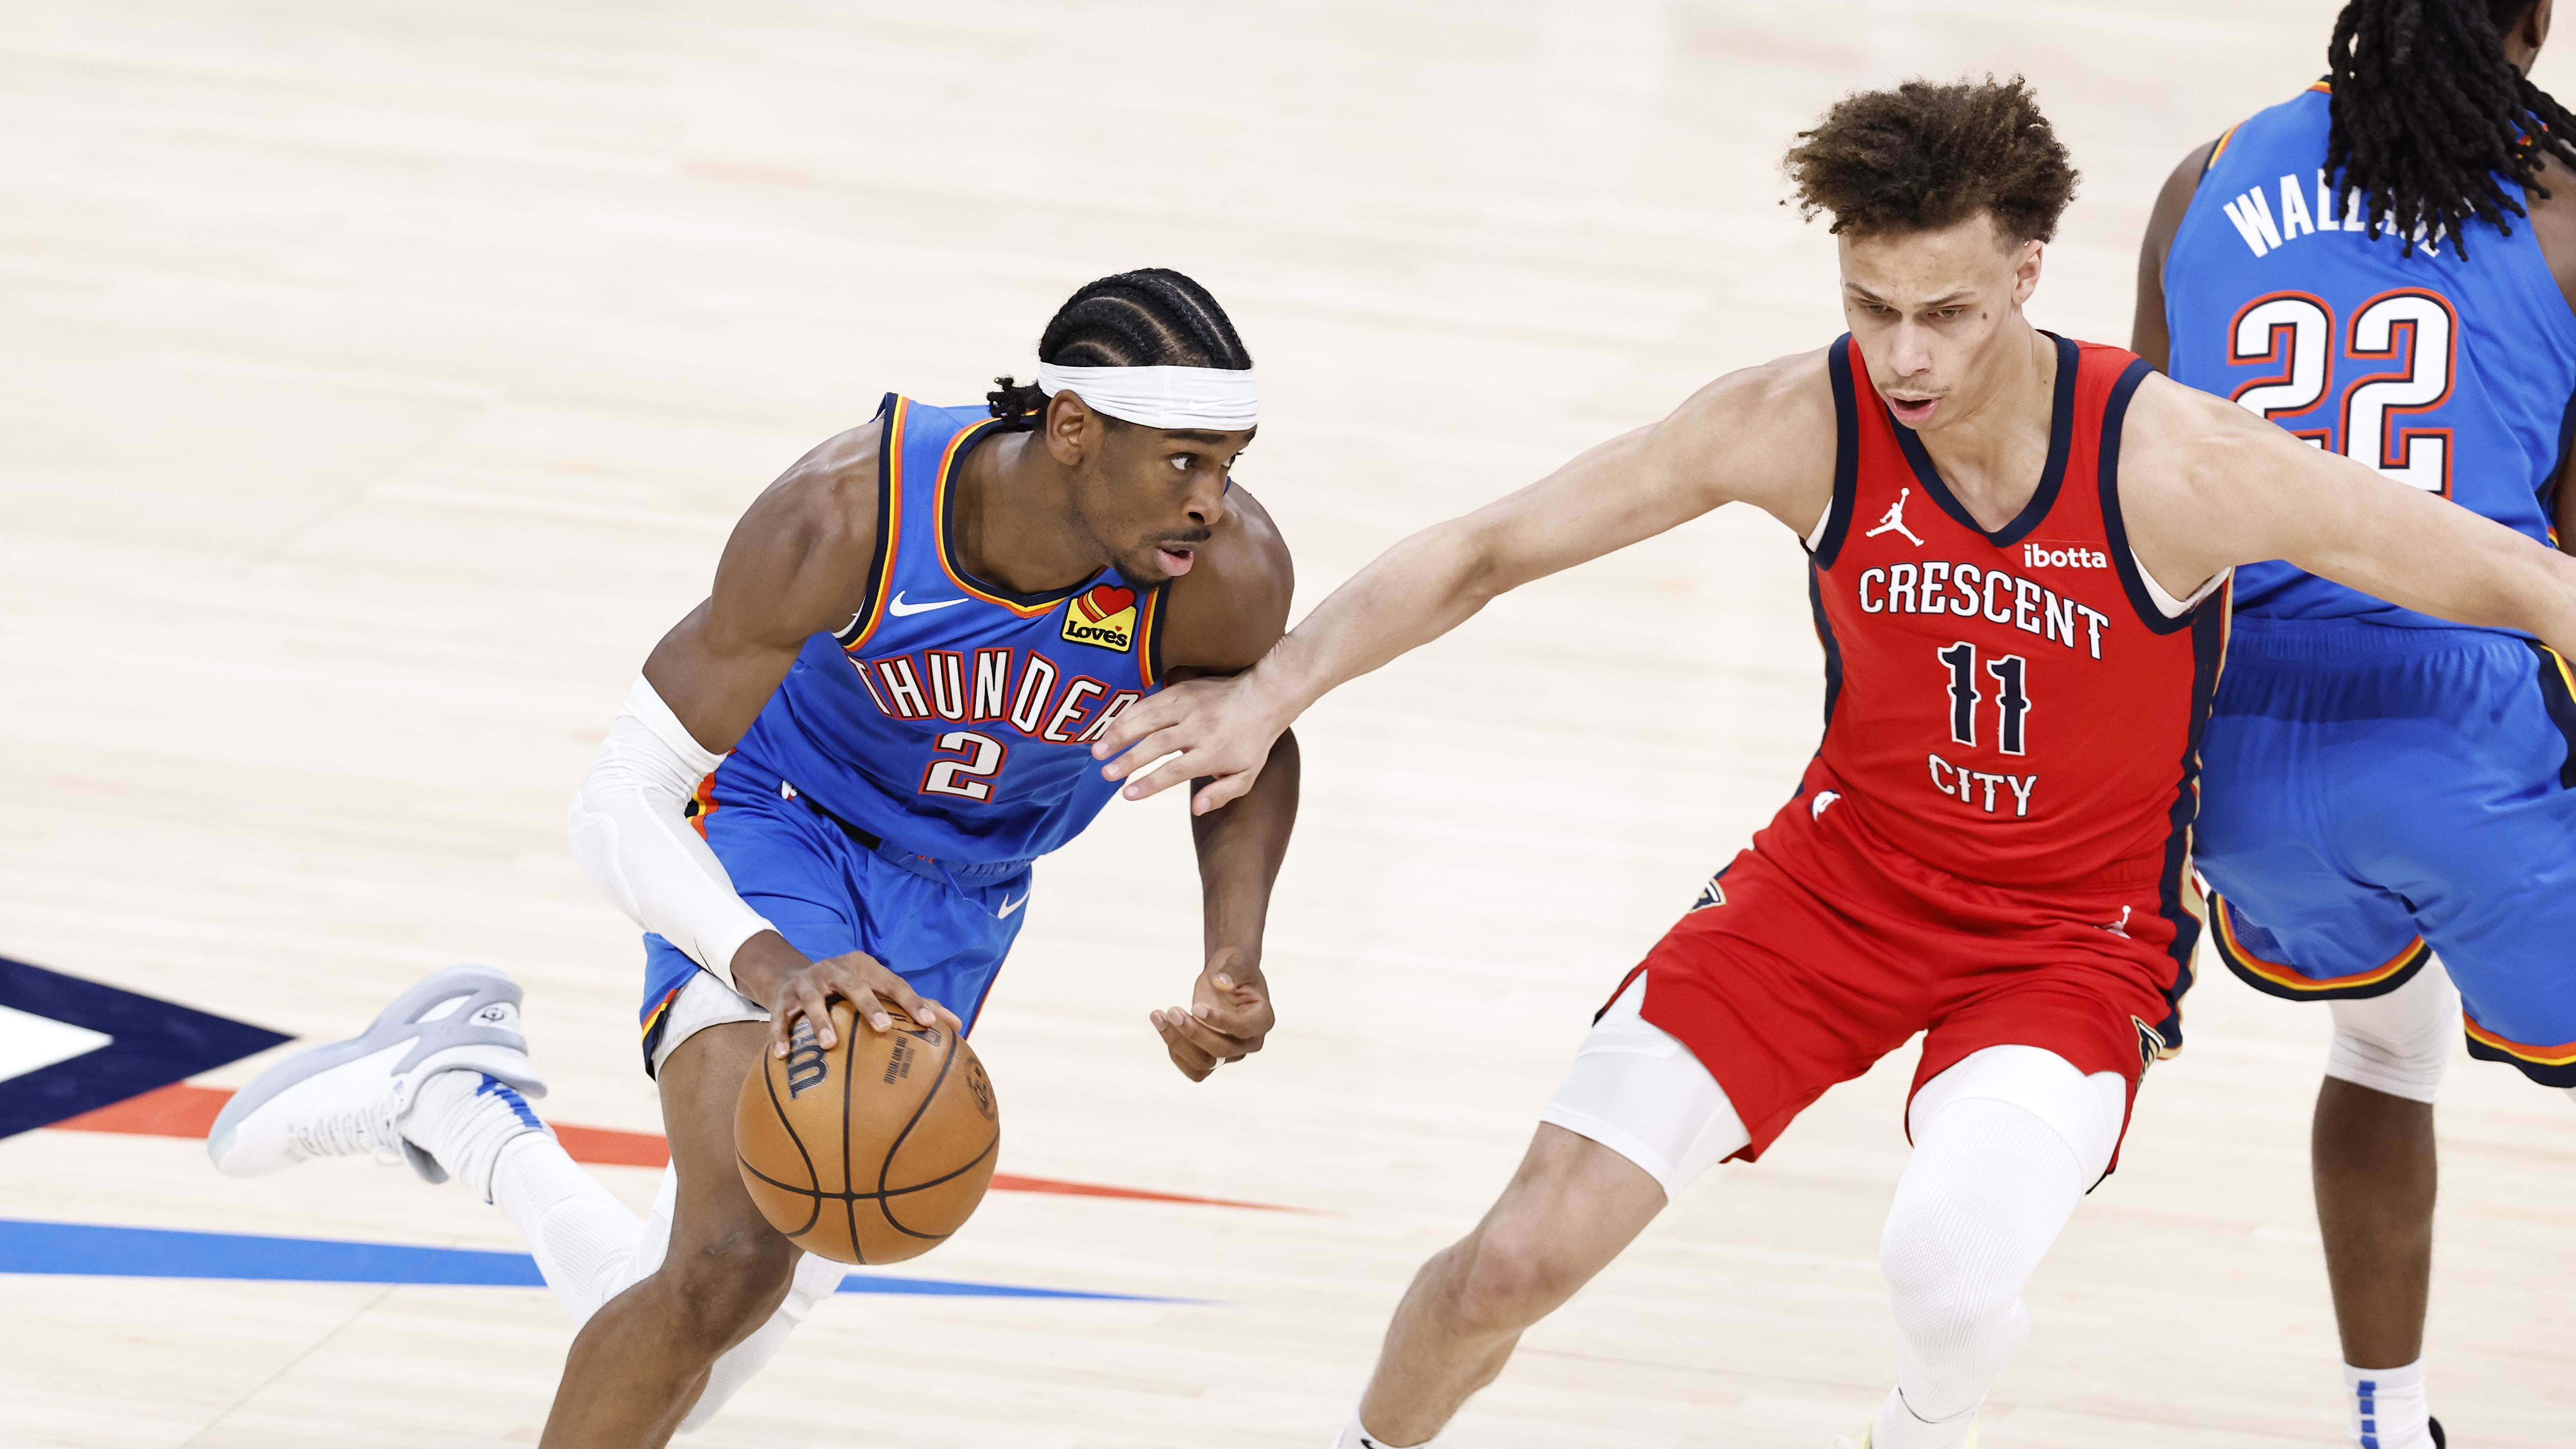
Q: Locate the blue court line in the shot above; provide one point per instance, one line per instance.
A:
(90, 1250)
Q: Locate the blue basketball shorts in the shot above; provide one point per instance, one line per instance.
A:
(831, 889)
(2372, 796)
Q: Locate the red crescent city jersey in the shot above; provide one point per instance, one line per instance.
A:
(2012, 706)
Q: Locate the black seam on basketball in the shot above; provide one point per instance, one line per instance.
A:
(885, 1200)
(885, 1164)
(769, 1084)
(849, 1074)
(826, 1195)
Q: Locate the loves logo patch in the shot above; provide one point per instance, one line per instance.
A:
(1103, 616)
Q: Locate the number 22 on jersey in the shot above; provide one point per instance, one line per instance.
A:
(2413, 329)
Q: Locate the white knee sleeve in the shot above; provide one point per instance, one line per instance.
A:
(2006, 1143)
(2400, 1042)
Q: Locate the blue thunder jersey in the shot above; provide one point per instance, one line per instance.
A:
(952, 717)
(2447, 373)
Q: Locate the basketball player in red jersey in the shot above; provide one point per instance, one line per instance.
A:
(2020, 548)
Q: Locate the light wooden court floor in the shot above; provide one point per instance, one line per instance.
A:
(378, 380)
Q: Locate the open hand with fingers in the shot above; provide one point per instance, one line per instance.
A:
(1219, 731)
(779, 977)
(1228, 1017)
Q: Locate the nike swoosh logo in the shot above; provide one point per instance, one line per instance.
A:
(903, 610)
(1009, 906)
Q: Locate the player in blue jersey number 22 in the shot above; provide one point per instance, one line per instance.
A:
(2385, 265)
(830, 782)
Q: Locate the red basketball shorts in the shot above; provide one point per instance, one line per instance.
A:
(1822, 948)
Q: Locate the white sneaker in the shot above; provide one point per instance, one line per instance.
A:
(345, 1099)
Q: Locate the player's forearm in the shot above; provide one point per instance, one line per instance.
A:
(1240, 849)
(2437, 558)
(1415, 592)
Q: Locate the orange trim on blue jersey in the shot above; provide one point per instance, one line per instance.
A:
(702, 803)
(2561, 1055)
(1148, 619)
(2289, 978)
(890, 527)
(2220, 149)
(2326, 86)
(661, 1008)
(2565, 676)
(939, 532)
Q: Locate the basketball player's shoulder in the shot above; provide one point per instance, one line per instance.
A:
(1232, 605)
(1766, 434)
(827, 500)
(799, 558)
(1785, 393)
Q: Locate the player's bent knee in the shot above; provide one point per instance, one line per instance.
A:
(1506, 1275)
(1937, 1280)
(728, 1285)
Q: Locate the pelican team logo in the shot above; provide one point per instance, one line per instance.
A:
(1104, 617)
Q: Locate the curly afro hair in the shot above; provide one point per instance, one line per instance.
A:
(1925, 156)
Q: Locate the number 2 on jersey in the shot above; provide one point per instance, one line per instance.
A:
(2295, 331)
(971, 777)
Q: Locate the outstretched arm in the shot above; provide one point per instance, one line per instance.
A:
(2206, 485)
(1763, 436)
(1226, 614)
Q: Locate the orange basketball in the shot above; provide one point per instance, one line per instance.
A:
(874, 1151)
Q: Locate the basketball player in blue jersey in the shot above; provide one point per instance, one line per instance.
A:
(2386, 266)
(830, 782)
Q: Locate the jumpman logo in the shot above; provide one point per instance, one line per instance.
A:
(2120, 927)
(1894, 522)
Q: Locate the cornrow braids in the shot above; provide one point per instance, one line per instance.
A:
(2432, 126)
(1151, 318)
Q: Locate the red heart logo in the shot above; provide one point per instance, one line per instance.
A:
(1105, 600)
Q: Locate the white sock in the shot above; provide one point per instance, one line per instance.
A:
(2387, 1407)
(584, 1239)
(1354, 1435)
(463, 1118)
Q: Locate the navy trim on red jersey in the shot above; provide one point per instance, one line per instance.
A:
(2124, 559)
(1838, 512)
(2061, 441)
(1825, 636)
(2209, 656)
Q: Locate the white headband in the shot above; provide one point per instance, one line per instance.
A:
(1217, 399)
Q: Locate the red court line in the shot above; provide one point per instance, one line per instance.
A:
(180, 1110)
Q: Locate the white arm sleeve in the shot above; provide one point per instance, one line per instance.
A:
(629, 836)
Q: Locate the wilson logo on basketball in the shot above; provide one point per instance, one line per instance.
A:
(1104, 618)
(805, 1066)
